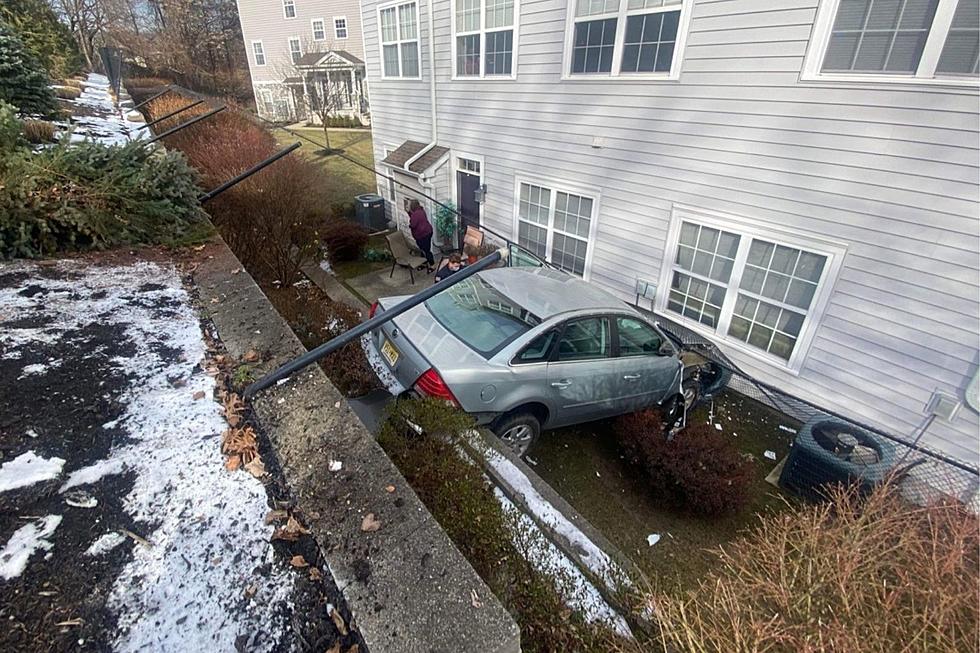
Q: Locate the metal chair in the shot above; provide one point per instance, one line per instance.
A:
(401, 255)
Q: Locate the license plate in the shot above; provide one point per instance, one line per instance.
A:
(389, 352)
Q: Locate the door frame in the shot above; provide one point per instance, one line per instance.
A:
(457, 155)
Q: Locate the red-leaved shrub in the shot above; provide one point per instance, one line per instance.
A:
(345, 241)
(697, 468)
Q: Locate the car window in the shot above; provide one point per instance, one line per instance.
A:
(637, 338)
(480, 316)
(584, 339)
(538, 350)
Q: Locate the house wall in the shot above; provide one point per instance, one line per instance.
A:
(264, 20)
(889, 171)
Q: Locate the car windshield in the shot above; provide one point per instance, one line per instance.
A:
(480, 316)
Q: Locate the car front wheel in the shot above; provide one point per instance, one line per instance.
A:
(518, 431)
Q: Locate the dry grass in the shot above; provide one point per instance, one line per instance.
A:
(169, 103)
(38, 131)
(68, 93)
(74, 83)
(869, 574)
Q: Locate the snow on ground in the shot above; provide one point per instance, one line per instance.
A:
(205, 525)
(28, 469)
(28, 539)
(579, 593)
(108, 123)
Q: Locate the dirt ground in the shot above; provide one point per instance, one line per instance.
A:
(161, 547)
(584, 464)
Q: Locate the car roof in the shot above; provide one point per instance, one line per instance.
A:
(547, 292)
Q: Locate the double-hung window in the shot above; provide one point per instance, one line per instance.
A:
(340, 27)
(751, 287)
(319, 29)
(289, 8)
(399, 40)
(484, 37)
(556, 224)
(903, 40)
(295, 49)
(258, 52)
(613, 38)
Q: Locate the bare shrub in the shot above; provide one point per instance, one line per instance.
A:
(169, 103)
(854, 574)
(38, 131)
(345, 241)
(697, 468)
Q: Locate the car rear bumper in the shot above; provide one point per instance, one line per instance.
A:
(381, 369)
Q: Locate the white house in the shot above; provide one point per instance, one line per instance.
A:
(798, 178)
(303, 52)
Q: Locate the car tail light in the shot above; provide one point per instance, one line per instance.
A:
(432, 385)
(372, 310)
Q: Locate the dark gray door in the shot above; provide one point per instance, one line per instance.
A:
(466, 185)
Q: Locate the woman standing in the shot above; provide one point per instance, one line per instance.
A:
(418, 222)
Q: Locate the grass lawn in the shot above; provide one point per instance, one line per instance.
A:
(351, 269)
(584, 464)
(350, 179)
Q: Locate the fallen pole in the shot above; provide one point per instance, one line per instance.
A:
(150, 99)
(186, 124)
(334, 344)
(170, 115)
(248, 173)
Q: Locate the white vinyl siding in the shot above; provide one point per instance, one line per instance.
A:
(744, 285)
(399, 40)
(289, 8)
(900, 40)
(556, 225)
(340, 27)
(319, 29)
(484, 40)
(295, 49)
(258, 53)
(620, 38)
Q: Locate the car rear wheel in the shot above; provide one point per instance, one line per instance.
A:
(519, 431)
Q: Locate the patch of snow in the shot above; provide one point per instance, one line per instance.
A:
(80, 499)
(28, 469)
(381, 369)
(29, 370)
(653, 538)
(325, 266)
(578, 592)
(24, 542)
(771, 455)
(93, 473)
(105, 543)
(335, 465)
(205, 524)
(783, 427)
(31, 433)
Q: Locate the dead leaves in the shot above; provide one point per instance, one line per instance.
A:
(251, 356)
(370, 523)
(315, 574)
(234, 407)
(291, 531)
(241, 447)
(338, 621)
(299, 562)
(275, 515)
(256, 468)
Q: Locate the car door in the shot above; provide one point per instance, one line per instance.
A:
(648, 368)
(582, 381)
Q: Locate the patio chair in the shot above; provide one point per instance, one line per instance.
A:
(401, 255)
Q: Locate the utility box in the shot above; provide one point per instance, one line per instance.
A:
(370, 212)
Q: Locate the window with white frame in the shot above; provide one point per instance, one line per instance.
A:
(289, 8)
(399, 40)
(555, 225)
(611, 38)
(899, 39)
(484, 37)
(295, 49)
(340, 27)
(468, 165)
(745, 286)
(319, 29)
(258, 52)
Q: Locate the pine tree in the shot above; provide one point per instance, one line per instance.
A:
(43, 34)
(23, 82)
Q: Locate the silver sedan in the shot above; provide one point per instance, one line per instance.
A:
(521, 349)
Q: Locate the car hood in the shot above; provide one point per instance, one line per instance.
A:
(442, 349)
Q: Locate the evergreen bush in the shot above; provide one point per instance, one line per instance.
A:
(90, 196)
(23, 82)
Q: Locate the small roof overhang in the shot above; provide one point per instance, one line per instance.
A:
(329, 59)
(416, 157)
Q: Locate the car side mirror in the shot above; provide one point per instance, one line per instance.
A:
(666, 349)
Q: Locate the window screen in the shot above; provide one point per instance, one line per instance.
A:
(873, 36)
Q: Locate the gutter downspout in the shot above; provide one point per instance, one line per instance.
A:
(432, 73)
